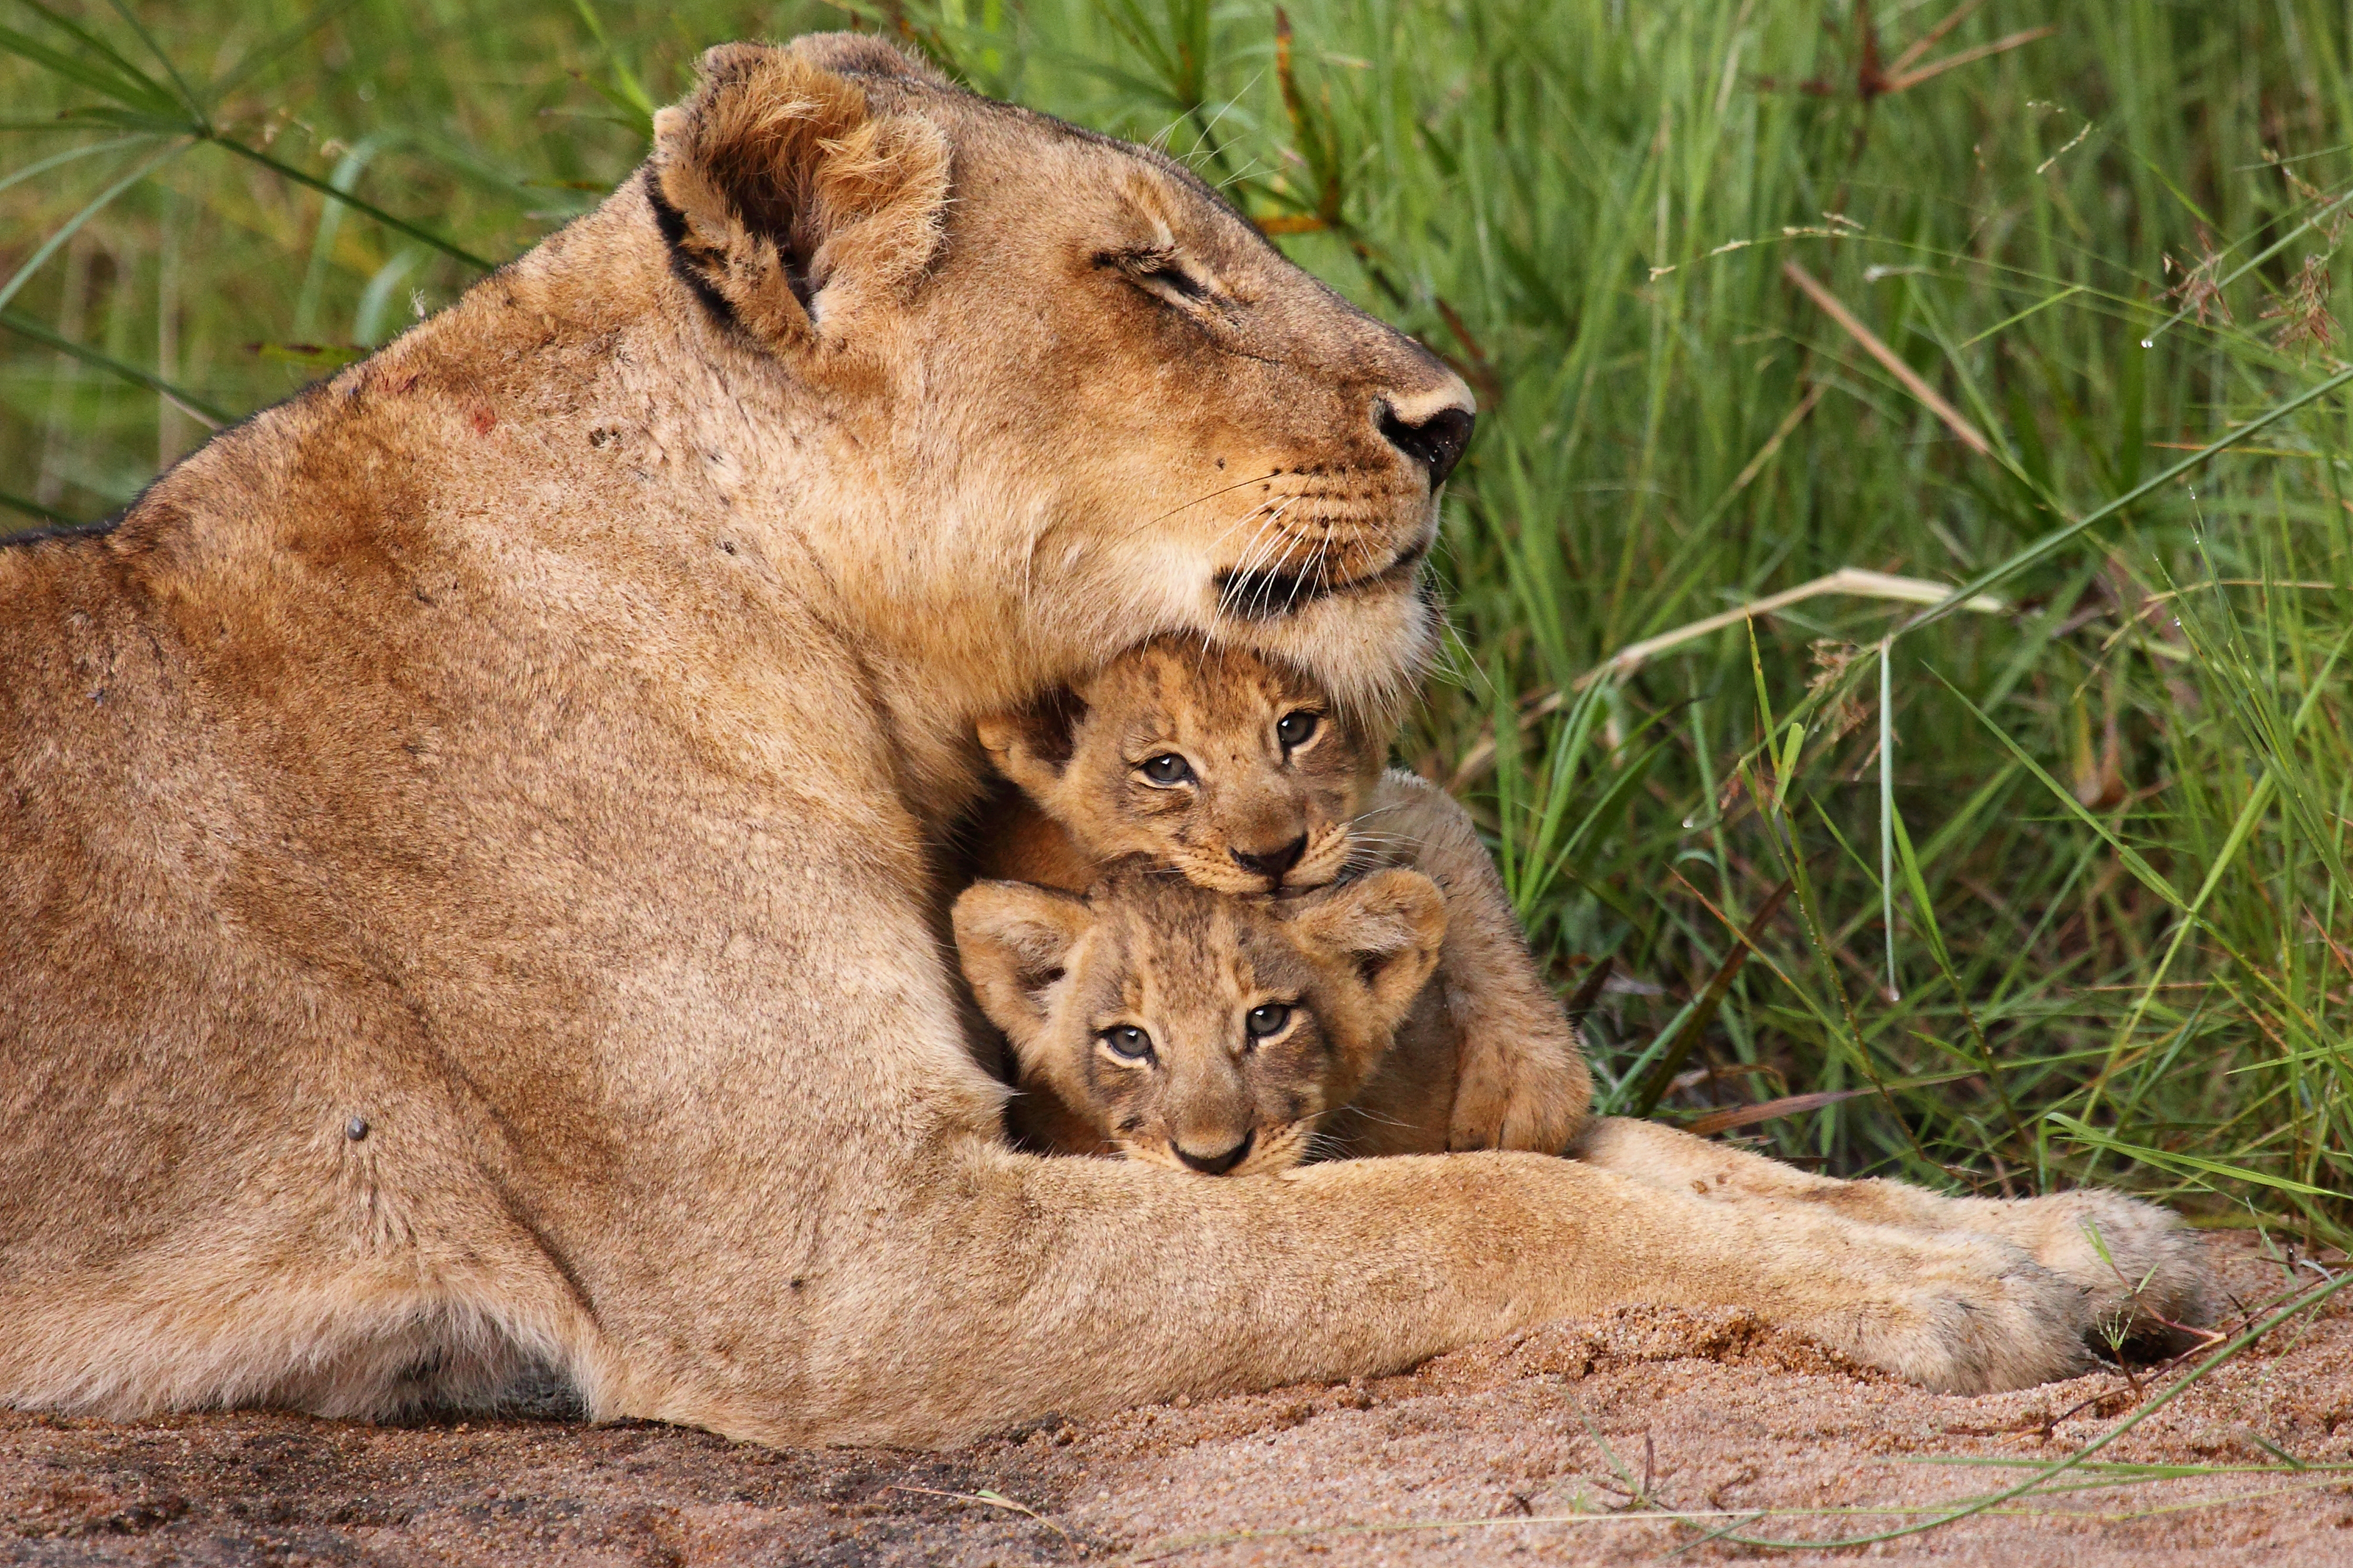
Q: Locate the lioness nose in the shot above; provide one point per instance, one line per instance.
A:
(1274, 863)
(1214, 1164)
(1436, 442)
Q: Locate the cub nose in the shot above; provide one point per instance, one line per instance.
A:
(1436, 442)
(1275, 863)
(1214, 1164)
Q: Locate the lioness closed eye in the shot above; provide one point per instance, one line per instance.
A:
(1195, 1030)
(1245, 777)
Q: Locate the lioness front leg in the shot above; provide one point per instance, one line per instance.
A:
(2138, 1270)
(1522, 1082)
(1080, 1285)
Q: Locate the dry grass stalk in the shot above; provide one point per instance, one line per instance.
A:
(1850, 580)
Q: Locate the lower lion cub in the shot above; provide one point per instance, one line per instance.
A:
(1242, 776)
(1213, 1033)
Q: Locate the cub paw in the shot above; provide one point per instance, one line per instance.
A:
(1966, 1315)
(1531, 1104)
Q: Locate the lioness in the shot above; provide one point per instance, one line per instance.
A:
(1244, 775)
(1211, 1032)
(466, 894)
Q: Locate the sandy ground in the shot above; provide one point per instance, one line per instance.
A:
(1523, 1449)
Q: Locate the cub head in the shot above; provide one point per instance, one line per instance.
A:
(1194, 1030)
(1053, 380)
(1236, 770)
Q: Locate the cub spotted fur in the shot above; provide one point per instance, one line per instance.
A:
(1244, 775)
(1200, 1031)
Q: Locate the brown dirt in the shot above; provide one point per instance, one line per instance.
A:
(1726, 1416)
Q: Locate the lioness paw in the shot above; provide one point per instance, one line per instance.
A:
(2142, 1275)
(1966, 1315)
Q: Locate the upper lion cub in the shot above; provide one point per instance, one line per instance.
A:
(1243, 775)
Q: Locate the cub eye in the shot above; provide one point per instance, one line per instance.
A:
(1267, 1018)
(1128, 1043)
(1167, 769)
(1296, 730)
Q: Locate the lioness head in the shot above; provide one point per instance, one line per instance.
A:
(1070, 398)
(1197, 1031)
(1235, 769)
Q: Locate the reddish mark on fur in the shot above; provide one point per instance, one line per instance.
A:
(483, 421)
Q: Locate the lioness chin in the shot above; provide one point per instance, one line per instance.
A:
(465, 896)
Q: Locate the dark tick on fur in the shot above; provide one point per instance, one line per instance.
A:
(356, 1129)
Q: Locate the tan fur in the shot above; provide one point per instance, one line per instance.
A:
(1520, 1079)
(526, 743)
(1147, 951)
(2139, 1274)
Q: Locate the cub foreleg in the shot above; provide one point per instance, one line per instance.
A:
(1522, 1082)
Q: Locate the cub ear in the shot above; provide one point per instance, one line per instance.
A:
(787, 202)
(1390, 925)
(1033, 745)
(1015, 942)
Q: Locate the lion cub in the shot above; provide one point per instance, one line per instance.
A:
(1241, 774)
(1210, 1033)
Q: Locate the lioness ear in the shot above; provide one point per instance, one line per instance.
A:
(863, 53)
(1014, 942)
(787, 203)
(1390, 925)
(1033, 745)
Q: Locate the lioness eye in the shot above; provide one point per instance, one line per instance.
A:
(1128, 1043)
(1296, 730)
(1267, 1018)
(1169, 274)
(1167, 768)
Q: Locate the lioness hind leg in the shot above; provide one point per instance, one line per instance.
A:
(2138, 1270)
(352, 1347)
(435, 1308)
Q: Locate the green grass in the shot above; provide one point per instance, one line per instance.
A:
(2066, 886)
